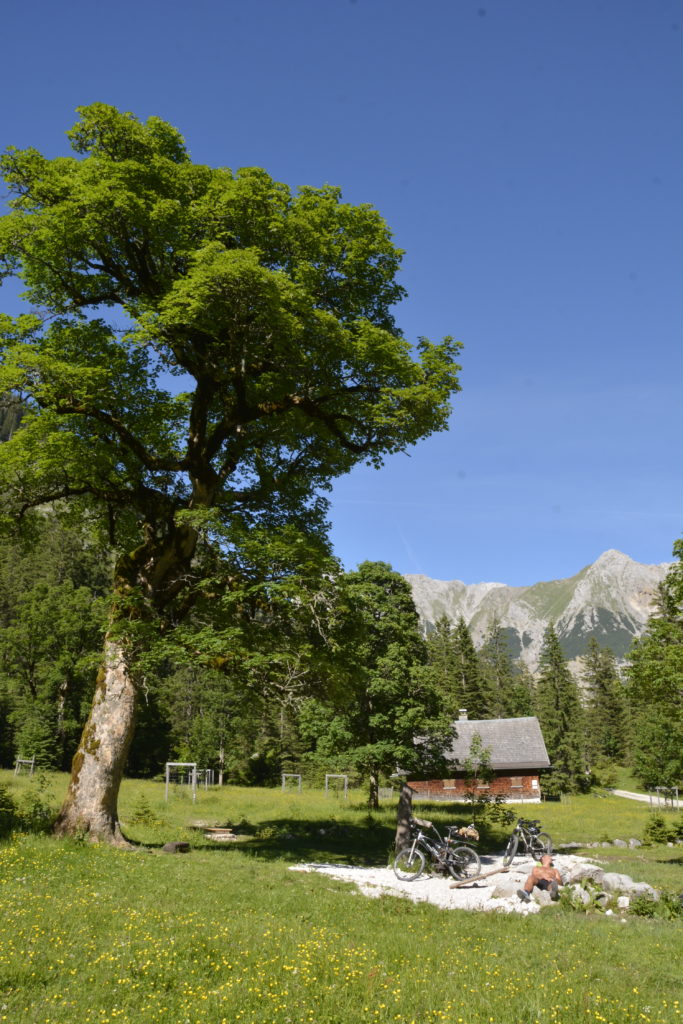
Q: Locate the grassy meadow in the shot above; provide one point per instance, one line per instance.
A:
(227, 933)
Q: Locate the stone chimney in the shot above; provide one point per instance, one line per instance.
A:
(462, 714)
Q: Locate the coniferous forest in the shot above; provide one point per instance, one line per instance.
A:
(341, 683)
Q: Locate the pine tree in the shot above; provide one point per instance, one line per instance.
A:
(471, 685)
(655, 686)
(510, 686)
(559, 711)
(443, 661)
(605, 709)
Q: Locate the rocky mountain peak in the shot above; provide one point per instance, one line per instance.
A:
(611, 600)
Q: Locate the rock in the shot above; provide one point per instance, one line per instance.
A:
(642, 888)
(634, 843)
(506, 887)
(176, 847)
(619, 842)
(623, 902)
(605, 844)
(581, 894)
(614, 882)
(578, 872)
(542, 897)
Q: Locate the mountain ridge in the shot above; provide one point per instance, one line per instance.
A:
(610, 599)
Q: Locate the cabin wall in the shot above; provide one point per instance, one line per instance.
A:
(521, 786)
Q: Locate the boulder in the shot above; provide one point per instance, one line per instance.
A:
(634, 843)
(643, 888)
(619, 842)
(614, 882)
(542, 897)
(577, 873)
(506, 887)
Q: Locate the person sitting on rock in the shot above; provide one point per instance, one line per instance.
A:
(543, 876)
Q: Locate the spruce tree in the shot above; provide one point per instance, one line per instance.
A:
(559, 711)
(443, 661)
(509, 685)
(470, 683)
(605, 711)
(655, 686)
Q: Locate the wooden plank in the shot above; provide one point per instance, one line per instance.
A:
(486, 875)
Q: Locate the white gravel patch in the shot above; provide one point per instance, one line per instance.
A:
(479, 894)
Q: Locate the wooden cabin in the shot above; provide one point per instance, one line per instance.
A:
(517, 753)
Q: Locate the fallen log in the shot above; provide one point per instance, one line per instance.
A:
(470, 881)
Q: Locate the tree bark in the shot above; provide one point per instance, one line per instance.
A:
(405, 813)
(91, 804)
(154, 573)
(373, 797)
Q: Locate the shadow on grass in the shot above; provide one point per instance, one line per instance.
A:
(366, 841)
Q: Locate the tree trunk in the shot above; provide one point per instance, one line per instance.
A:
(154, 574)
(405, 813)
(90, 806)
(373, 798)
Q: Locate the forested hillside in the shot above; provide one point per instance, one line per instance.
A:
(343, 685)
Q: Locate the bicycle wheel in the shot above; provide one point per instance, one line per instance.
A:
(409, 864)
(510, 849)
(464, 862)
(540, 844)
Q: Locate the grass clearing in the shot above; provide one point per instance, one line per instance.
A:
(229, 934)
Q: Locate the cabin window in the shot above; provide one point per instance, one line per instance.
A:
(516, 782)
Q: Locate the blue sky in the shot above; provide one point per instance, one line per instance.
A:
(528, 156)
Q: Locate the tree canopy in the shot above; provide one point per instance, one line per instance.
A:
(385, 698)
(205, 352)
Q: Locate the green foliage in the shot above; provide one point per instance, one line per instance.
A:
(660, 830)
(273, 311)
(477, 767)
(605, 705)
(142, 813)
(385, 697)
(36, 809)
(8, 812)
(509, 684)
(667, 907)
(560, 716)
(51, 616)
(655, 687)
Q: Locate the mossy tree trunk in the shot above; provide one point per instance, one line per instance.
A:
(147, 581)
(91, 804)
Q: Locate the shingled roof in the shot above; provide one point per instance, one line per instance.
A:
(513, 742)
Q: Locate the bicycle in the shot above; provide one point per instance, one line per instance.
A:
(534, 841)
(460, 861)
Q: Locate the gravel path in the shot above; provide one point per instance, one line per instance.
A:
(497, 892)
